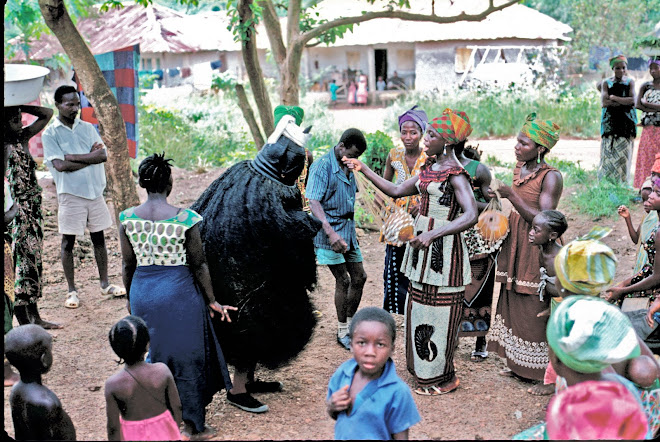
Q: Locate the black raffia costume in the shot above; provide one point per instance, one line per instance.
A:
(258, 244)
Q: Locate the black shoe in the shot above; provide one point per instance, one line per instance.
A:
(246, 403)
(345, 342)
(263, 386)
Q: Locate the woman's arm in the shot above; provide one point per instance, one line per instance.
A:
(625, 214)
(406, 188)
(651, 282)
(200, 269)
(483, 180)
(465, 198)
(43, 114)
(641, 102)
(128, 263)
(553, 184)
(388, 174)
(605, 95)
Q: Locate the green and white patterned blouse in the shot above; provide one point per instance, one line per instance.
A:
(159, 242)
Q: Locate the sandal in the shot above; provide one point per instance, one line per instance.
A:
(478, 356)
(205, 434)
(72, 301)
(506, 373)
(113, 290)
(435, 390)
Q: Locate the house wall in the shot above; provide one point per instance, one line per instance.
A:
(435, 62)
(320, 62)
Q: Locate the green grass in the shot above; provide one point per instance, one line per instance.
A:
(601, 198)
(501, 113)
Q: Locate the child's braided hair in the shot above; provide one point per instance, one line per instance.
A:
(556, 221)
(129, 339)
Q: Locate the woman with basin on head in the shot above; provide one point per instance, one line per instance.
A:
(436, 260)
(516, 333)
(27, 228)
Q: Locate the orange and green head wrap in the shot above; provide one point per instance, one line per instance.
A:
(295, 111)
(544, 133)
(618, 58)
(453, 126)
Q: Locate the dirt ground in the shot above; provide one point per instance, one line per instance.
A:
(486, 405)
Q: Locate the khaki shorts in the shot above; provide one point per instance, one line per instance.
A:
(76, 213)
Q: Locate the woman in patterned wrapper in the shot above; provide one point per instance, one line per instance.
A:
(259, 246)
(436, 260)
(168, 285)
(405, 162)
(516, 332)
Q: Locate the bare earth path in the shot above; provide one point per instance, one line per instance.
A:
(486, 406)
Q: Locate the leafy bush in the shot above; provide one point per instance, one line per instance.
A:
(379, 145)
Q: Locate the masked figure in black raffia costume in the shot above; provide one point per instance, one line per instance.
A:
(258, 244)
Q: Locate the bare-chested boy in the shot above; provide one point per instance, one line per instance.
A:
(36, 411)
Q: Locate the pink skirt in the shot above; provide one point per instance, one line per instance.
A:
(161, 427)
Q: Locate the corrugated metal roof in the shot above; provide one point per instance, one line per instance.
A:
(155, 28)
(160, 29)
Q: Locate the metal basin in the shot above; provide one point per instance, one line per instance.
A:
(23, 82)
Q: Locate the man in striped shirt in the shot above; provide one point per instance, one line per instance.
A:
(331, 189)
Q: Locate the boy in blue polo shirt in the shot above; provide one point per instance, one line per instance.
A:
(365, 396)
(331, 189)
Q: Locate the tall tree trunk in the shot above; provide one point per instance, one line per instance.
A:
(112, 127)
(244, 105)
(253, 68)
(289, 75)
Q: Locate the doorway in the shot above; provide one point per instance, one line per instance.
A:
(380, 56)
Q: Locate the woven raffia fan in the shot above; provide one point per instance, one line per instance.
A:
(397, 224)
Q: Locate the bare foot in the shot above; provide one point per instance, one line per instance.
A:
(544, 313)
(541, 389)
(506, 372)
(48, 325)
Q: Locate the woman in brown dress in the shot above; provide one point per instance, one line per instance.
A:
(517, 333)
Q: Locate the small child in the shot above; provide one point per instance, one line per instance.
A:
(371, 375)
(546, 229)
(142, 401)
(36, 411)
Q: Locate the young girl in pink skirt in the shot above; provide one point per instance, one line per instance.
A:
(142, 402)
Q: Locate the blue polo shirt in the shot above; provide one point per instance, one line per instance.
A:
(328, 184)
(385, 406)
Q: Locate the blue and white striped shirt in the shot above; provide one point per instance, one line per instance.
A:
(329, 185)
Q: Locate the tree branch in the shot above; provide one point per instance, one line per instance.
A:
(246, 110)
(273, 30)
(253, 68)
(293, 21)
(403, 15)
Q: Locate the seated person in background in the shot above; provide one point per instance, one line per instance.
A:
(365, 395)
(395, 82)
(36, 411)
(380, 84)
